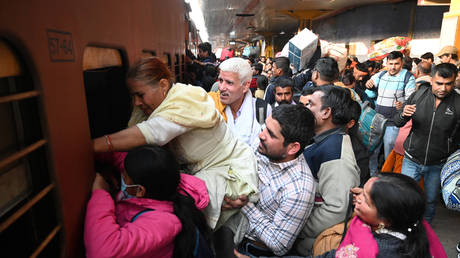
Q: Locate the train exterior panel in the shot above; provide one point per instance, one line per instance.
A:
(53, 39)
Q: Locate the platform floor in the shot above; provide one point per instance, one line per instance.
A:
(446, 224)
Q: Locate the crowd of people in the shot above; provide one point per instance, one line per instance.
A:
(258, 161)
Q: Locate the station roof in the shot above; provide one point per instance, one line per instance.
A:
(249, 20)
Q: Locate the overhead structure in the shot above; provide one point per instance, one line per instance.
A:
(246, 20)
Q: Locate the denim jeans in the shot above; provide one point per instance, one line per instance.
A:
(431, 182)
(374, 160)
(389, 138)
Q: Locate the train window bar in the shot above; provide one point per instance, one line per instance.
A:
(22, 153)
(15, 216)
(19, 96)
(177, 68)
(23, 161)
(46, 241)
(167, 60)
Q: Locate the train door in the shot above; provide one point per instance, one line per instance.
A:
(30, 222)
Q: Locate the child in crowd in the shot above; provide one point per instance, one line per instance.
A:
(156, 214)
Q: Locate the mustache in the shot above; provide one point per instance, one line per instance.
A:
(284, 102)
(263, 144)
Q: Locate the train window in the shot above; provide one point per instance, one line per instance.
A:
(148, 53)
(167, 60)
(182, 65)
(177, 68)
(97, 57)
(29, 224)
(107, 97)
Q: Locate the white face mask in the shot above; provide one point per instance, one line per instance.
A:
(124, 194)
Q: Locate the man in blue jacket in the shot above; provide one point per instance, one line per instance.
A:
(331, 160)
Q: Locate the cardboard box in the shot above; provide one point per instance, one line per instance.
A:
(302, 47)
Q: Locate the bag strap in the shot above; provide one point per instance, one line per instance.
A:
(139, 214)
(382, 73)
(406, 80)
(261, 110)
(347, 215)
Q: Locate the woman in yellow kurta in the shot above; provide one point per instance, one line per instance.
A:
(184, 118)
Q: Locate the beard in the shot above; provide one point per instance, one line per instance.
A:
(274, 157)
(284, 102)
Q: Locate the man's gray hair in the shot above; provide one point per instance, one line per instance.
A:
(237, 65)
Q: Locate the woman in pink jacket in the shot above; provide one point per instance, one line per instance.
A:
(155, 215)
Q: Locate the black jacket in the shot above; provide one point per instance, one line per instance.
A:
(431, 139)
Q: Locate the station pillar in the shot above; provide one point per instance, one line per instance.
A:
(450, 29)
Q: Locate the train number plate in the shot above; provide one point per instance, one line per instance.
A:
(60, 46)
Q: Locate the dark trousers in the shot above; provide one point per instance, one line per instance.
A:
(253, 248)
(223, 243)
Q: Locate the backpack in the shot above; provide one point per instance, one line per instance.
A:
(372, 126)
(450, 182)
(202, 248)
(261, 110)
(331, 237)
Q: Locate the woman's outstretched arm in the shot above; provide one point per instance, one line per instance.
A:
(120, 141)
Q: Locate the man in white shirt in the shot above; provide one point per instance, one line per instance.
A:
(235, 101)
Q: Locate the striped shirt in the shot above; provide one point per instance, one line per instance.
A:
(287, 192)
(391, 88)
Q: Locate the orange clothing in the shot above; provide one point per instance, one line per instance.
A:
(393, 163)
(219, 106)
